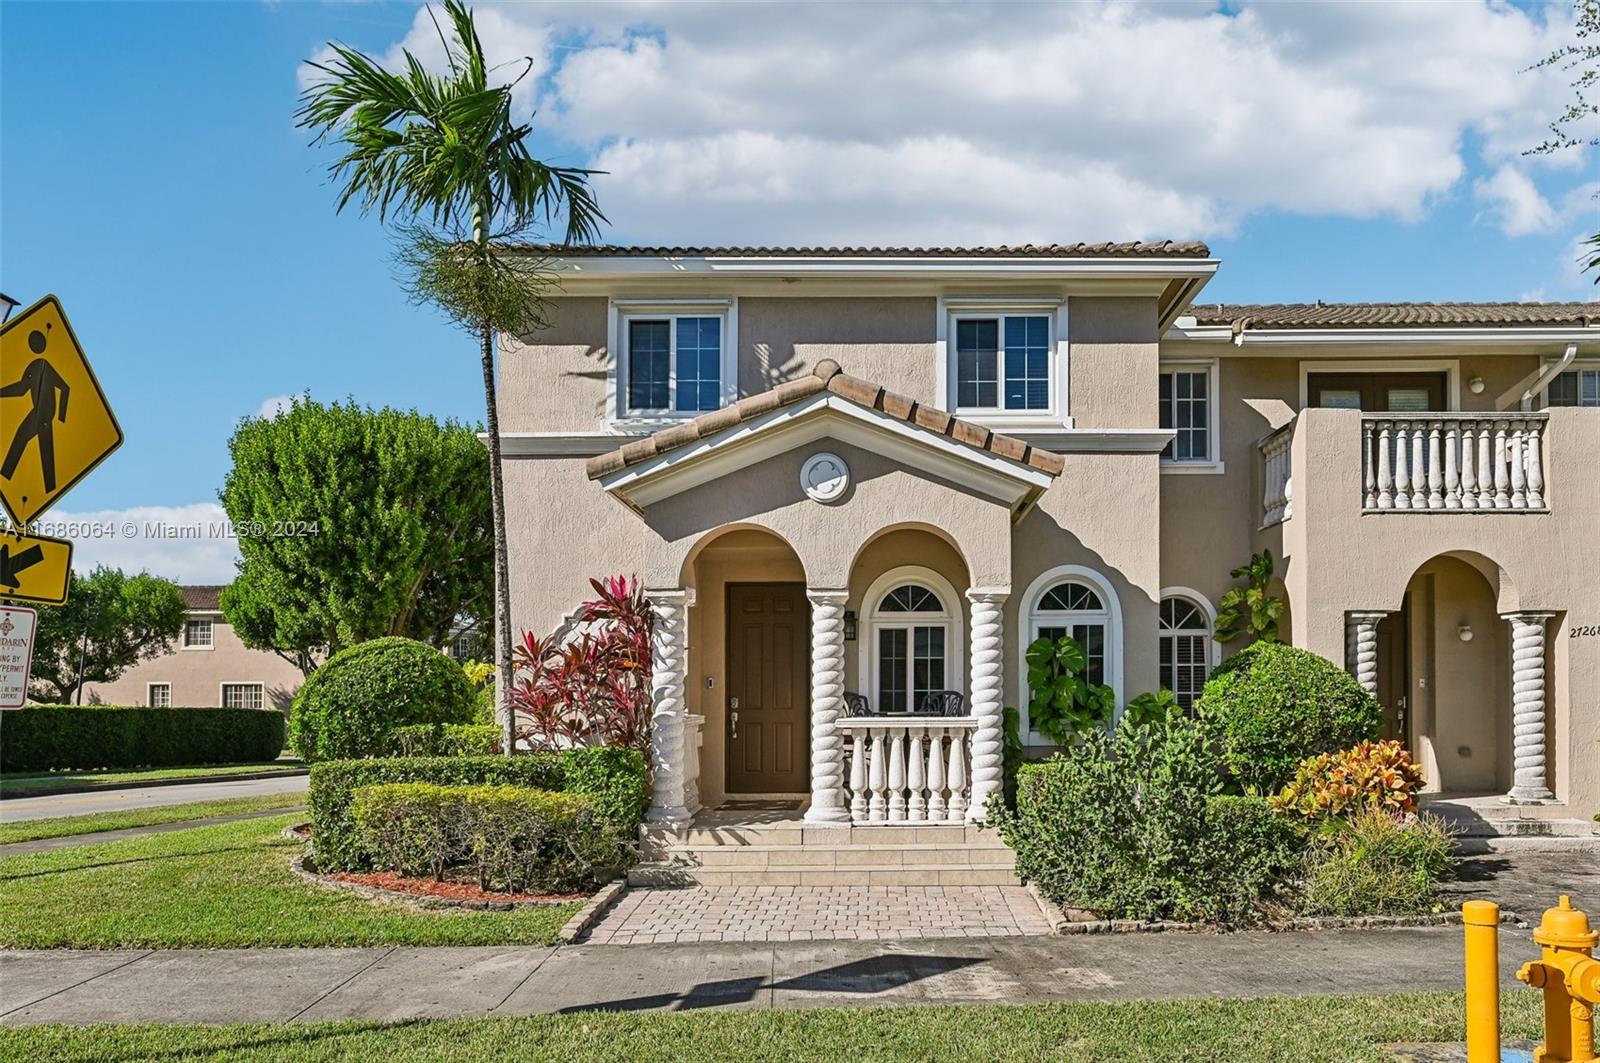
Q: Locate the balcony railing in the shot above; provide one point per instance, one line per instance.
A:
(1453, 462)
(908, 769)
(1277, 501)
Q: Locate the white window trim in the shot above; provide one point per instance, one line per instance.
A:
(183, 639)
(1214, 465)
(222, 690)
(1200, 601)
(1451, 367)
(1028, 619)
(1576, 365)
(620, 311)
(949, 309)
(148, 687)
(867, 642)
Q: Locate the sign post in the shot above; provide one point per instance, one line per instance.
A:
(17, 623)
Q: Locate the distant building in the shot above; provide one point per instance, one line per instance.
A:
(207, 666)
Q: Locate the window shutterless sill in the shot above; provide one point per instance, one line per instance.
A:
(1194, 468)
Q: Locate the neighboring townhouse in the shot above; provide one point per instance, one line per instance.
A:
(856, 483)
(207, 666)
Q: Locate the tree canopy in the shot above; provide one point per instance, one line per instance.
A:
(127, 619)
(354, 524)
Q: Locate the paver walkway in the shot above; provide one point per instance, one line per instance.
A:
(815, 913)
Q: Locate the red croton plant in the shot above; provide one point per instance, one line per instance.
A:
(592, 689)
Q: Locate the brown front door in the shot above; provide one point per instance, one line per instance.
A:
(768, 693)
(1394, 673)
(1378, 392)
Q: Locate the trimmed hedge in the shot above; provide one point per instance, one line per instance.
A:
(1270, 706)
(513, 837)
(351, 703)
(614, 778)
(444, 740)
(58, 737)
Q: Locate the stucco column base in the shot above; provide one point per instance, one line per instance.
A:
(827, 705)
(669, 648)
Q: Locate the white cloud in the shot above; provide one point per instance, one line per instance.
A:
(1513, 202)
(186, 544)
(275, 405)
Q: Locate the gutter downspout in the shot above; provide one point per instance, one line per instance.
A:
(1548, 375)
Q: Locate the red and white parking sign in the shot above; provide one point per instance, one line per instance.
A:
(16, 653)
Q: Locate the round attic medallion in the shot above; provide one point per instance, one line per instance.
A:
(824, 477)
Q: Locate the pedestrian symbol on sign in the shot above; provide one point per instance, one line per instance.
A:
(42, 384)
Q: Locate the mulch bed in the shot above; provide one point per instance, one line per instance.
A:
(454, 889)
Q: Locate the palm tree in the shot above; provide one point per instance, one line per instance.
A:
(442, 155)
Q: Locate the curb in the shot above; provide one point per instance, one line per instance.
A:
(134, 784)
(304, 867)
(1061, 925)
(590, 913)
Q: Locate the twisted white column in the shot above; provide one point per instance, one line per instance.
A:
(1527, 708)
(827, 705)
(669, 659)
(1365, 640)
(987, 679)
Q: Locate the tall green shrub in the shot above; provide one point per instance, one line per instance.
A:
(350, 704)
(1270, 706)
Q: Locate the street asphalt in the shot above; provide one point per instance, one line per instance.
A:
(81, 804)
(307, 985)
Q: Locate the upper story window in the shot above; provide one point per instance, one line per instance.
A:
(674, 361)
(1005, 361)
(197, 634)
(1576, 387)
(1187, 406)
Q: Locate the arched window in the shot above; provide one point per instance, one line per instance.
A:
(1185, 648)
(912, 639)
(1076, 601)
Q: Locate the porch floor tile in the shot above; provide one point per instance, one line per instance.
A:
(652, 915)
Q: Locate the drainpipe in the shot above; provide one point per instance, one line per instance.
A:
(1548, 375)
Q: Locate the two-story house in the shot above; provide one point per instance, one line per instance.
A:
(858, 482)
(207, 666)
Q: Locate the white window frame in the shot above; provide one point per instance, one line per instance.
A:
(621, 311)
(211, 633)
(1207, 610)
(222, 693)
(150, 694)
(872, 619)
(1578, 365)
(1213, 465)
(1055, 415)
(1032, 619)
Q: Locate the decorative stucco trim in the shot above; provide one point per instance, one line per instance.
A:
(1098, 440)
(561, 444)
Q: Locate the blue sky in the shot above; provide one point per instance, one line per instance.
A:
(151, 175)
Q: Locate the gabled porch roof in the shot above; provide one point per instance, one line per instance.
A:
(826, 402)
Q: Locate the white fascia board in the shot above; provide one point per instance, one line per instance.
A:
(941, 266)
(1348, 336)
(819, 417)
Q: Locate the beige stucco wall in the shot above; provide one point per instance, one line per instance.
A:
(556, 381)
(1113, 345)
(197, 674)
(887, 340)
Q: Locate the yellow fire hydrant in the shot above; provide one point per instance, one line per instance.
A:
(1570, 978)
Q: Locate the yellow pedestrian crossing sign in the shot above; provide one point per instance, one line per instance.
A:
(34, 568)
(55, 424)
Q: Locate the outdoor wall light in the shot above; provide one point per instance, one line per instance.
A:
(849, 625)
(1465, 632)
(1475, 385)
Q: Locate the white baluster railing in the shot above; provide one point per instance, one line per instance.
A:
(1277, 495)
(908, 769)
(1452, 462)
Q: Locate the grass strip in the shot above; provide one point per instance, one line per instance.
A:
(123, 819)
(51, 781)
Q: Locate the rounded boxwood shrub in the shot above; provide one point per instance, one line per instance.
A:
(350, 704)
(1270, 706)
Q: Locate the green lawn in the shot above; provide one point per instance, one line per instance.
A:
(222, 886)
(55, 781)
(1281, 1030)
(64, 826)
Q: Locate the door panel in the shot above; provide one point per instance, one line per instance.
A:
(1394, 674)
(1378, 392)
(768, 688)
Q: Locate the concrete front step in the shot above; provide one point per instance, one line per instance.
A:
(823, 857)
(673, 873)
(661, 839)
(1486, 823)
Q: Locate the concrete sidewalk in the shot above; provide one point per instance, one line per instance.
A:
(307, 985)
(18, 809)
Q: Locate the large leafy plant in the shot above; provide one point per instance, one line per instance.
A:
(1371, 776)
(1252, 609)
(1062, 703)
(594, 687)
